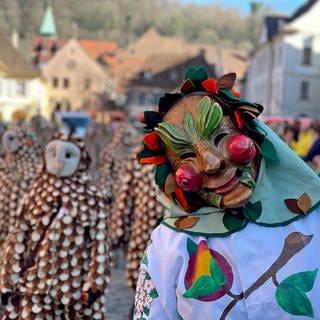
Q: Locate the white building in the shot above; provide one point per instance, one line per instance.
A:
(284, 72)
(21, 86)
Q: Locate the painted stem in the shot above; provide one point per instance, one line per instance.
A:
(293, 243)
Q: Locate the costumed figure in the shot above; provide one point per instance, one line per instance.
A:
(21, 160)
(42, 129)
(136, 214)
(97, 136)
(56, 264)
(114, 157)
(241, 240)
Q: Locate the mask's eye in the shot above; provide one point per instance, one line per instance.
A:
(68, 155)
(219, 137)
(188, 155)
(11, 138)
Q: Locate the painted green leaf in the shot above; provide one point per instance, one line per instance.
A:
(294, 301)
(189, 127)
(247, 179)
(161, 173)
(173, 137)
(246, 168)
(214, 199)
(217, 274)
(146, 311)
(147, 276)
(234, 222)
(208, 117)
(253, 210)
(203, 286)
(301, 280)
(179, 317)
(145, 260)
(268, 151)
(154, 293)
(192, 247)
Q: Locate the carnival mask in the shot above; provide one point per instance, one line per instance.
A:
(210, 157)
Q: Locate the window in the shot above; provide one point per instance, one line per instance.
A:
(87, 83)
(304, 90)
(307, 51)
(55, 82)
(66, 83)
(21, 89)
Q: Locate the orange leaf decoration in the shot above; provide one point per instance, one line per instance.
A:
(152, 140)
(210, 85)
(187, 86)
(238, 119)
(153, 160)
(170, 184)
(186, 222)
(304, 202)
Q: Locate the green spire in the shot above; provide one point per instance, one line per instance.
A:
(48, 26)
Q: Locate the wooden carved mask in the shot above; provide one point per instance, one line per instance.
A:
(210, 157)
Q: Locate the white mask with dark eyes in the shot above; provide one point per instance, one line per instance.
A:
(62, 158)
(10, 141)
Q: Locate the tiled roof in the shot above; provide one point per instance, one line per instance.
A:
(151, 43)
(13, 64)
(97, 49)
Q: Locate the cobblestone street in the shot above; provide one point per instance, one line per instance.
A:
(119, 298)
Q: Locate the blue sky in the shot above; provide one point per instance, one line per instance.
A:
(282, 6)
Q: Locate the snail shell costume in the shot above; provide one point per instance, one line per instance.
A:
(241, 240)
(22, 154)
(57, 262)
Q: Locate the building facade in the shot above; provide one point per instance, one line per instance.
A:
(21, 85)
(75, 81)
(284, 71)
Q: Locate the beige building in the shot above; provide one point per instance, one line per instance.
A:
(75, 81)
(21, 85)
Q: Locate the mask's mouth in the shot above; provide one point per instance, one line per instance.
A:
(230, 185)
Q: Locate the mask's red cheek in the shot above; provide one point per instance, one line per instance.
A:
(241, 149)
(188, 178)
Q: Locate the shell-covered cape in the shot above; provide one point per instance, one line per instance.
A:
(61, 247)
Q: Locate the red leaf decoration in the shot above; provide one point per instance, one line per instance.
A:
(292, 205)
(238, 119)
(153, 160)
(181, 199)
(210, 85)
(152, 140)
(236, 93)
(227, 81)
(188, 86)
